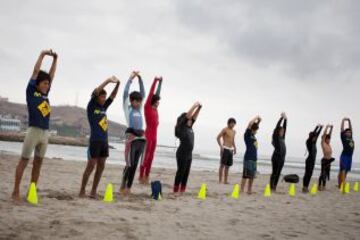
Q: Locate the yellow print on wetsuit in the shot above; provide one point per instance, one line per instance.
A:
(103, 123)
(44, 108)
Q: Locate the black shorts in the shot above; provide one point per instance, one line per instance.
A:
(98, 149)
(227, 157)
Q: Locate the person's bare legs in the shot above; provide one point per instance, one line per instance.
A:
(88, 170)
(99, 170)
(35, 173)
(251, 180)
(243, 182)
(221, 172)
(226, 175)
(18, 176)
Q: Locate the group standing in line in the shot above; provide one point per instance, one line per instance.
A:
(140, 144)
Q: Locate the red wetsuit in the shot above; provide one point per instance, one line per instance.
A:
(152, 123)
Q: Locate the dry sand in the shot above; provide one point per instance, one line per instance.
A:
(62, 215)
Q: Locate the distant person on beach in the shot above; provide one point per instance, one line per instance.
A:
(185, 133)
(98, 149)
(348, 150)
(226, 141)
(152, 123)
(310, 160)
(39, 109)
(327, 159)
(250, 157)
(135, 138)
(278, 156)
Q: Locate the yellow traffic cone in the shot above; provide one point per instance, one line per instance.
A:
(202, 192)
(314, 189)
(32, 195)
(109, 193)
(347, 188)
(267, 192)
(292, 190)
(235, 193)
(356, 187)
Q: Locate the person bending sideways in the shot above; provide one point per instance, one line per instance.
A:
(250, 157)
(152, 123)
(278, 156)
(37, 134)
(348, 150)
(98, 146)
(327, 158)
(135, 139)
(185, 133)
(310, 160)
(226, 141)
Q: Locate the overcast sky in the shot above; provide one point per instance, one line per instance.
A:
(239, 58)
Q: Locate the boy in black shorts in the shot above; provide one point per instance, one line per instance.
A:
(227, 149)
(98, 145)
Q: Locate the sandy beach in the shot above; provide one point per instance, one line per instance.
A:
(60, 214)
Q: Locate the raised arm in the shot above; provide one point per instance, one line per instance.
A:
(38, 64)
(141, 85)
(190, 113)
(330, 130)
(53, 65)
(158, 90)
(323, 137)
(103, 84)
(197, 111)
(343, 124)
(127, 88)
(257, 120)
(317, 133)
(349, 122)
(151, 93)
(116, 88)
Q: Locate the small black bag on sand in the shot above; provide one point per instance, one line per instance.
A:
(156, 191)
(291, 178)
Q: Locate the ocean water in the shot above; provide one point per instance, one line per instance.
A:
(165, 158)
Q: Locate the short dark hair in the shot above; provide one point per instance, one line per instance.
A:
(231, 120)
(136, 96)
(154, 99)
(42, 76)
(347, 130)
(102, 92)
(327, 136)
(255, 127)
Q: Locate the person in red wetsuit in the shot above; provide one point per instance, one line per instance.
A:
(152, 122)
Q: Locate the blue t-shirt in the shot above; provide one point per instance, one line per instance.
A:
(348, 145)
(251, 146)
(98, 119)
(38, 106)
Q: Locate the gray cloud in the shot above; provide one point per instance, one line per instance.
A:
(315, 40)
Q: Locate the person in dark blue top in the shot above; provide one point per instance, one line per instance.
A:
(39, 109)
(348, 150)
(98, 145)
(311, 158)
(250, 157)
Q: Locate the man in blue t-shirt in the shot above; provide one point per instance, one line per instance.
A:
(348, 150)
(98, 146)
(39, 109)
(250, 157)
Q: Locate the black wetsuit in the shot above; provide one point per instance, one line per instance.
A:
(184, 154)
(310, 160)
(278, 156)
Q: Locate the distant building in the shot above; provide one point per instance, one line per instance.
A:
(9, 124)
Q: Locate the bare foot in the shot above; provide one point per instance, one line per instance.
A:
(15, 196)
(146, 181)
(94, 195)
(82, 194)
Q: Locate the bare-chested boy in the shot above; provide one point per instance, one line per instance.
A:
(327, 159)
(226, 141)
